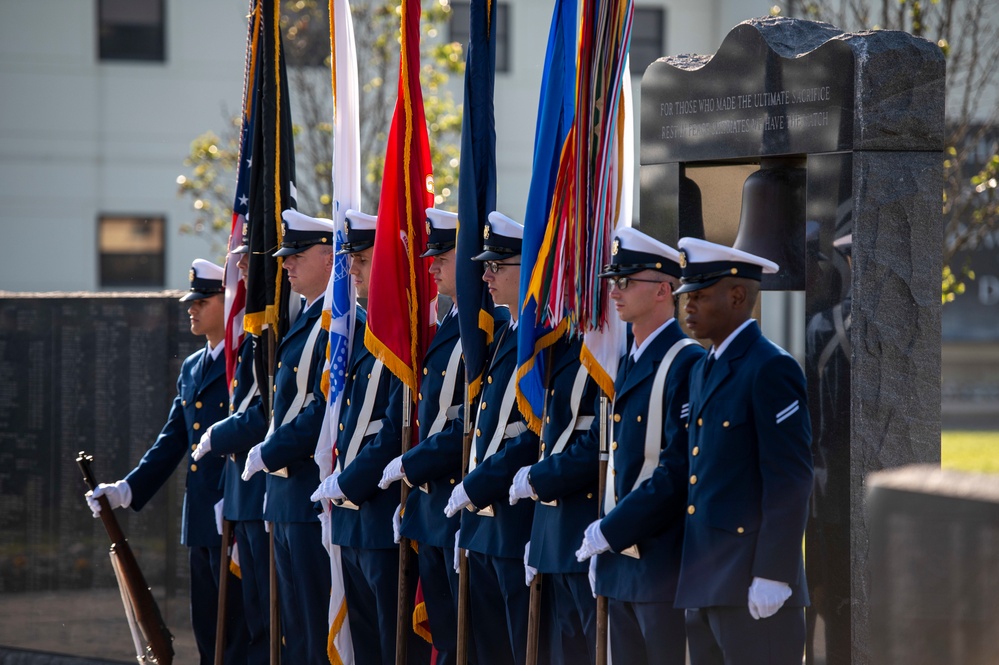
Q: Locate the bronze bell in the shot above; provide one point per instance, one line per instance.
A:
(772, 222)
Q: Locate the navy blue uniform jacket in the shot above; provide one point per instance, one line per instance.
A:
(201, 400)
(648, 514)
(434, 466)
(488, 485)
(234, 436)
(557, 477)
(750, 475)
(292, 445)
(366, 522)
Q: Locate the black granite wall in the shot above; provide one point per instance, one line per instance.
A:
(96, 373)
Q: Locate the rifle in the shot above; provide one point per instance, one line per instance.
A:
(403, 610)
(153, 641)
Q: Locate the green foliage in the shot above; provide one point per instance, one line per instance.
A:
(209, 181)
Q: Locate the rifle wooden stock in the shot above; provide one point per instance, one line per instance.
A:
(156, 637)
(404, 612)
(223, 592)
(601, 620)
(466, 454)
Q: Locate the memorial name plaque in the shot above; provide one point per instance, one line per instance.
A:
(95, 373)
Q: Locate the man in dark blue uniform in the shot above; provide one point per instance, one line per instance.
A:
(369, 437)
(492, 531)
(641, 534)
(287, 444)
(566, 495)
(434, 466)
(201, 400)
(743, 580)
(244, 501)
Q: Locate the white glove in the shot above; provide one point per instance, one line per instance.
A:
(457, 551)
(254, 463)
(529, 570)
(459, 499)
(329, 489)
(591, 576)
(393, 472)
(218, 515)
(267, 525)
(521, 486)
(397, 524)
(593, 542)
(204, 446)
(766, 597)
(324, 522)
(118, 494)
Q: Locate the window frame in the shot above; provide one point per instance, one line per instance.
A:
(504, 59)
(110, 275)
(663, 12)
(109, 52)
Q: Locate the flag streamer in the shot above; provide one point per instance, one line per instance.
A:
(476, 193)
(338, 315)
(593, 191)
(235, 289)
(400, 278)
(539, 328)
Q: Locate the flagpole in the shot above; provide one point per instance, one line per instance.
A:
(601, 489)
(463, 588)
(534, 611)
(223, 592)
(404, 611)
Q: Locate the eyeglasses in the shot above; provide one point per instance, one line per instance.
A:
(621, 283)
(495, 266)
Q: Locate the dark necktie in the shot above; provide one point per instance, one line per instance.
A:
(628, 364)
(206, 364)
(709, 364)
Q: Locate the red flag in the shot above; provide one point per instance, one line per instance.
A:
(401, 293)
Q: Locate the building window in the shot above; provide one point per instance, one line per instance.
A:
(648, 38)
(131, 251)
(460, 27)
(131, 30)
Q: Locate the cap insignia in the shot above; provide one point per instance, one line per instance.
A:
(284, 228)
(346, 224)
(485, 232)
(190, 275)
(430, 228)
(616, 247)
(683, 258)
